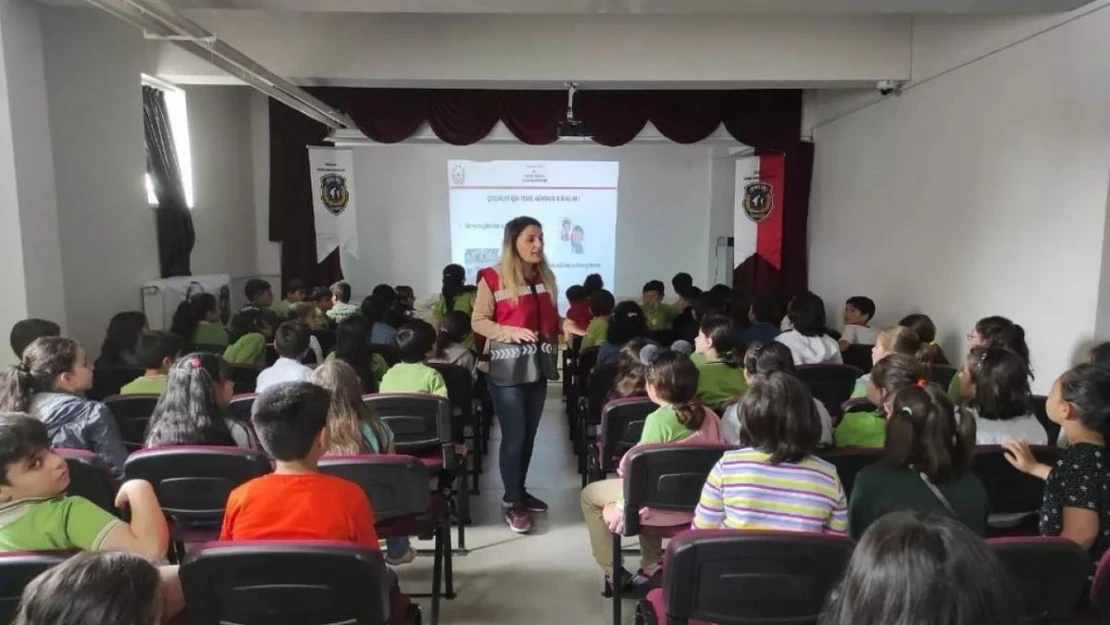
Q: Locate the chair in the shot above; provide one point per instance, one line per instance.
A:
(858, 356)
(287, 583)
(107, 381)
(244, 376)
(662, 477)
(740, 577)
(90, 478)
(849, 462)
(240, 407)
(132, 414)
(1041, 412)
(17, 569)
(460, 392)
(326, 338)
(1010, 491)
(421, 426)
(941, 375)
(193, 483)
(1050, 574)
(830, 384)
(588, 413)
(622, 422)
(1099, 596)
(397, 487)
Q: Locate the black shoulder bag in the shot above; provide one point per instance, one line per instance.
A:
(512, 364)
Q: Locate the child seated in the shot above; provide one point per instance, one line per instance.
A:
(48, 384)
(660, 316)
(291, 343)
(926, 331)
(579, 311)
(720, 375)
(297, 502)
(26, 331)
(1076, 496)
(260, 297)
(118, 348)
(197, 321)
(631, 373)
(249, 332)
(894, 340)
(602, 303)
(775, 482)
(374, 310)
(868, 428)
(341, 306)
(450, 347)
(157, 351)
(294, 293)
(928, 451)
(993, 331)
(671, 383)
(351, 348)
(762, 360)
(39, 516)
(193, 409)
(306, 312)
(858, 312)
(807, 338)
(322, 300)
(764, 316)
(994, 388)
(416, 342)
(628, 323)
(353, 429)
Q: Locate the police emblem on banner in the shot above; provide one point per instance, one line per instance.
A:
(759, 200)
(458, 175)
(334, 193)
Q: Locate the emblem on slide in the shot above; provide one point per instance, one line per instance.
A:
(334, 193)
(759, 200)
(458, 175)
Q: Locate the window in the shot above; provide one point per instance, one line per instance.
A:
(179, 123)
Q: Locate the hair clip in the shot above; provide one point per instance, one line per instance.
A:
(923, 382)
(682, 347)
(650, 353)
(907, 410)
(196, 363)
(23, 368)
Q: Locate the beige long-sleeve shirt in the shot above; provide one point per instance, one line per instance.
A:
(484, 318)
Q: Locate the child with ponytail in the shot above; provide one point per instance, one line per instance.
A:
(721, 374)
(671, 381)
(868, 428)
(893, 340)
(1077, 489)
(197, 320)
(193, 408)
(926, 464)
(48, 384)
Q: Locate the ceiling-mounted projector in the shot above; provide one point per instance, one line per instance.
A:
(571, 127)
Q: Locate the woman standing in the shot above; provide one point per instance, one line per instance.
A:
(516, 303)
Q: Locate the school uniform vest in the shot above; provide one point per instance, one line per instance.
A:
(526, 310)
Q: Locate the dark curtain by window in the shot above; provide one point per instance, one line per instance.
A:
(173, 222)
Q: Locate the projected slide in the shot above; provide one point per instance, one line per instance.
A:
(576, 201)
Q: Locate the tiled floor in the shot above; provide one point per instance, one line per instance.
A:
(545, 578)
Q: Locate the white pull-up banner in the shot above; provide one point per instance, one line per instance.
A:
(333, 201)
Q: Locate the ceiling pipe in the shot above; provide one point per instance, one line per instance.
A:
(159, 21)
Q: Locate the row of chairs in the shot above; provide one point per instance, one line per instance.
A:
(743, 577)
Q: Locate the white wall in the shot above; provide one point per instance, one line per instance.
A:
(662, 215)
(223, 178)
(267, 253)
(982, 191)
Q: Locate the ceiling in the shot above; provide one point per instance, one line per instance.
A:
(646, 7)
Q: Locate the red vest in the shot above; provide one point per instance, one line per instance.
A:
(526, 309)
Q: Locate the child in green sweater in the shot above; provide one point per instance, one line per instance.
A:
(156, 351)
(890, 375)
(416, 342)
(721, 374)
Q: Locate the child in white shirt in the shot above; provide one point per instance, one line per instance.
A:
(858, 312)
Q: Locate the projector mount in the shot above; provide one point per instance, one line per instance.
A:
(571, 127)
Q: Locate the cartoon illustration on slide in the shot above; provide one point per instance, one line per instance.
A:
(576, 237)
(565, 230)
(477, 259)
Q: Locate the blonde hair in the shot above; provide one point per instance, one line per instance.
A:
(347, 412)
(511, 267)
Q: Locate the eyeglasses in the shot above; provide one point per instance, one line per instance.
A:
(971, 336)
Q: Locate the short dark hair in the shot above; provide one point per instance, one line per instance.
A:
(655, 286)
(726, 338)
(294, 285)
(863, 304)
(681, 282)
(1099, 355)
(21, 437)
(455, 326)
(1001, 380)
(807, 314)
(602, 303)
(26, 331)
(1087, 388)
(592, 283)
(895, 372)
(94, 587)
(341, 291)
(292, 339)
(414, 340)
(256, 287)
(321, 293)
(155, 346)
(386, 292)
(763, 358)
(288, 417)
(765, 309)
(778, 417)
(912, 567)
(576, 293)
(924, 431)
(405, 291)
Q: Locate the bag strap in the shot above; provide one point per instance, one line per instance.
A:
(936, 493)
(536, 305)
